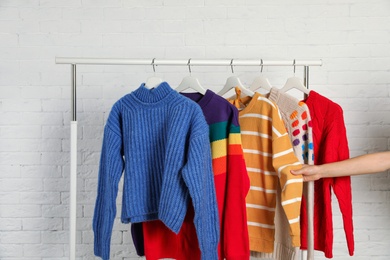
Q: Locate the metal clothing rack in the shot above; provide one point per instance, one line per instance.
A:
(74, 61)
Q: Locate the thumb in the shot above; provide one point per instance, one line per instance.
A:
(296, 172)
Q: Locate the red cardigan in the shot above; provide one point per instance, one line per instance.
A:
(330, 145)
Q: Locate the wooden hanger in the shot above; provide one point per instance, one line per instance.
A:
(190, 82)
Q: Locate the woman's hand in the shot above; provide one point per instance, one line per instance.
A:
(309, 172)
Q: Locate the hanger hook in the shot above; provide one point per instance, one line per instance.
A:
(294, 66)
(262, 65)
(154, 68)
(231, 66)
(189, 65)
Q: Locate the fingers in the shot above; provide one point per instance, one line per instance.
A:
(296, 172)
(305, 172)
(301, 171)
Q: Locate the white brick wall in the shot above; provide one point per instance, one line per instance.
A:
(350, 36)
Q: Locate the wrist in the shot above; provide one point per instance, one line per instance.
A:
(322, 171)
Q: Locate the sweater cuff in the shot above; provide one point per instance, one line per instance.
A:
(103, 255)
(210, 253)
(296, 241)
(102, 251)
(238, 257)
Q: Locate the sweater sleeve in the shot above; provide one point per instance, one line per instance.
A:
(198, 176)
(110, 171)
(235, 228)
(336, 149)
(284, 160)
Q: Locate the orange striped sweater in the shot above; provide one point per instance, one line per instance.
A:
(269, 158)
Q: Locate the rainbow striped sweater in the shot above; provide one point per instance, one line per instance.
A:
(269, 157)
(230, 175)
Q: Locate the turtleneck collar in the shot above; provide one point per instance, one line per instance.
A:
(154, 95)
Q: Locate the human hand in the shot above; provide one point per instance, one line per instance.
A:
(308, 172)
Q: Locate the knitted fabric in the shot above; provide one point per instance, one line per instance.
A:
(231, 184)
(296, 117)
(160, 139)
(269, 158)
(330, 145)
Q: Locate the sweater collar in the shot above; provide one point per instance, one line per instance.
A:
(153, 95)
(202, 100)
(249, 102)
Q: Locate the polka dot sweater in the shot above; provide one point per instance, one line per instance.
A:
(296, 117)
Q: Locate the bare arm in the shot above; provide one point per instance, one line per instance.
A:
(364, 164)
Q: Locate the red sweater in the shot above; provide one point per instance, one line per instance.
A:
(330, 145)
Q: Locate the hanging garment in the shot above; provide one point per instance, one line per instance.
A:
(269, 157)
(160, 139)
(296, 117)
(231, 184)
(330, 145)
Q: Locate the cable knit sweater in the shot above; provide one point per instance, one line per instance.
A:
(160, 140)
(330, 145)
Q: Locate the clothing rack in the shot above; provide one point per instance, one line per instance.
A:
(74, 61)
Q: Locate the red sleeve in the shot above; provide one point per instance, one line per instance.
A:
(342, 185)
(336, 149)
(235, 237)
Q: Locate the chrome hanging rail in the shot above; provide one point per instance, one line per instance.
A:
(184, 62)
(155, 62)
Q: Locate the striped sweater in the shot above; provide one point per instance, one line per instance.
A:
(231, 186)
(269, 157)
(230, 175)
(297, 119)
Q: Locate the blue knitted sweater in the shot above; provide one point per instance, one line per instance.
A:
(160, 140)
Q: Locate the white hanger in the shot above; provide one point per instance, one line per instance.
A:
(233, 82)
(153, 81)
(294, 82)
(261, 81)
(190, 82)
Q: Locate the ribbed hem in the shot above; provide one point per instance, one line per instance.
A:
(210, 253)
(280, 252)
(103, 253)
(238, 257)
(154, 96)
